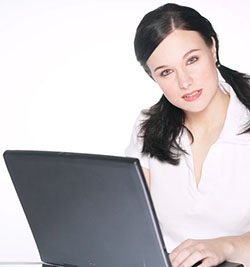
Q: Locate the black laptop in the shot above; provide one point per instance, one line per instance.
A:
(88, 210)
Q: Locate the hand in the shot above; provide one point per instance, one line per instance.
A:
(210, 252)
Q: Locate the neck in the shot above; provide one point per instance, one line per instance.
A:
(213, 117)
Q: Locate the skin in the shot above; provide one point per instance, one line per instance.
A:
(183, 65)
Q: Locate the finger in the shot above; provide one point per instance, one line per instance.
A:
(181, 257)
(187, 243)
(208, 262)
(193, 258)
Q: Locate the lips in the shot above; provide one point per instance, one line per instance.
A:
(192, 96)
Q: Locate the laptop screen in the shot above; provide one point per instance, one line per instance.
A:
(87, 210)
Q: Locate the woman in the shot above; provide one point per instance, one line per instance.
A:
(194, 143)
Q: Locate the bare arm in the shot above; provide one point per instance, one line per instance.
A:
(213, 251)
(241, 251)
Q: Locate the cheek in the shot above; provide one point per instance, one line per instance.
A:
(207, 71)
(169, 90)
(166, 88)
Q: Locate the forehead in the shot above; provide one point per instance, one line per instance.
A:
(175, 46)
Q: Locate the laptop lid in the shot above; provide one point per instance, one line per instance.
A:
(87, 210)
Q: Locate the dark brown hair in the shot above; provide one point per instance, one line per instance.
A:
(164, 122)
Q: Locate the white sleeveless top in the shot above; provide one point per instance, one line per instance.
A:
(220, 206)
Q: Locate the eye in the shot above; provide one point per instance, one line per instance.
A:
(192, 60)
(166, 72)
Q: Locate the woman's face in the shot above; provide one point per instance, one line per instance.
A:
(184, 67)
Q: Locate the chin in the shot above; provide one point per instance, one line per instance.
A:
(197, 109)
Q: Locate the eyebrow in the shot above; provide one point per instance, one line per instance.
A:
(189, 52)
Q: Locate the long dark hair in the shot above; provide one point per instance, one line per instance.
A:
(164, 122)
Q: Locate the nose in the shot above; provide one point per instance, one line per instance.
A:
(184, 79)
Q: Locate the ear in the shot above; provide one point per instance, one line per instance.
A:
(213, 49)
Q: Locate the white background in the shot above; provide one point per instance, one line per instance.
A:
(69, 81)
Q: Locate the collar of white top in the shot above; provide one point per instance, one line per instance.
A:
(235, 123)
(237, 115)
